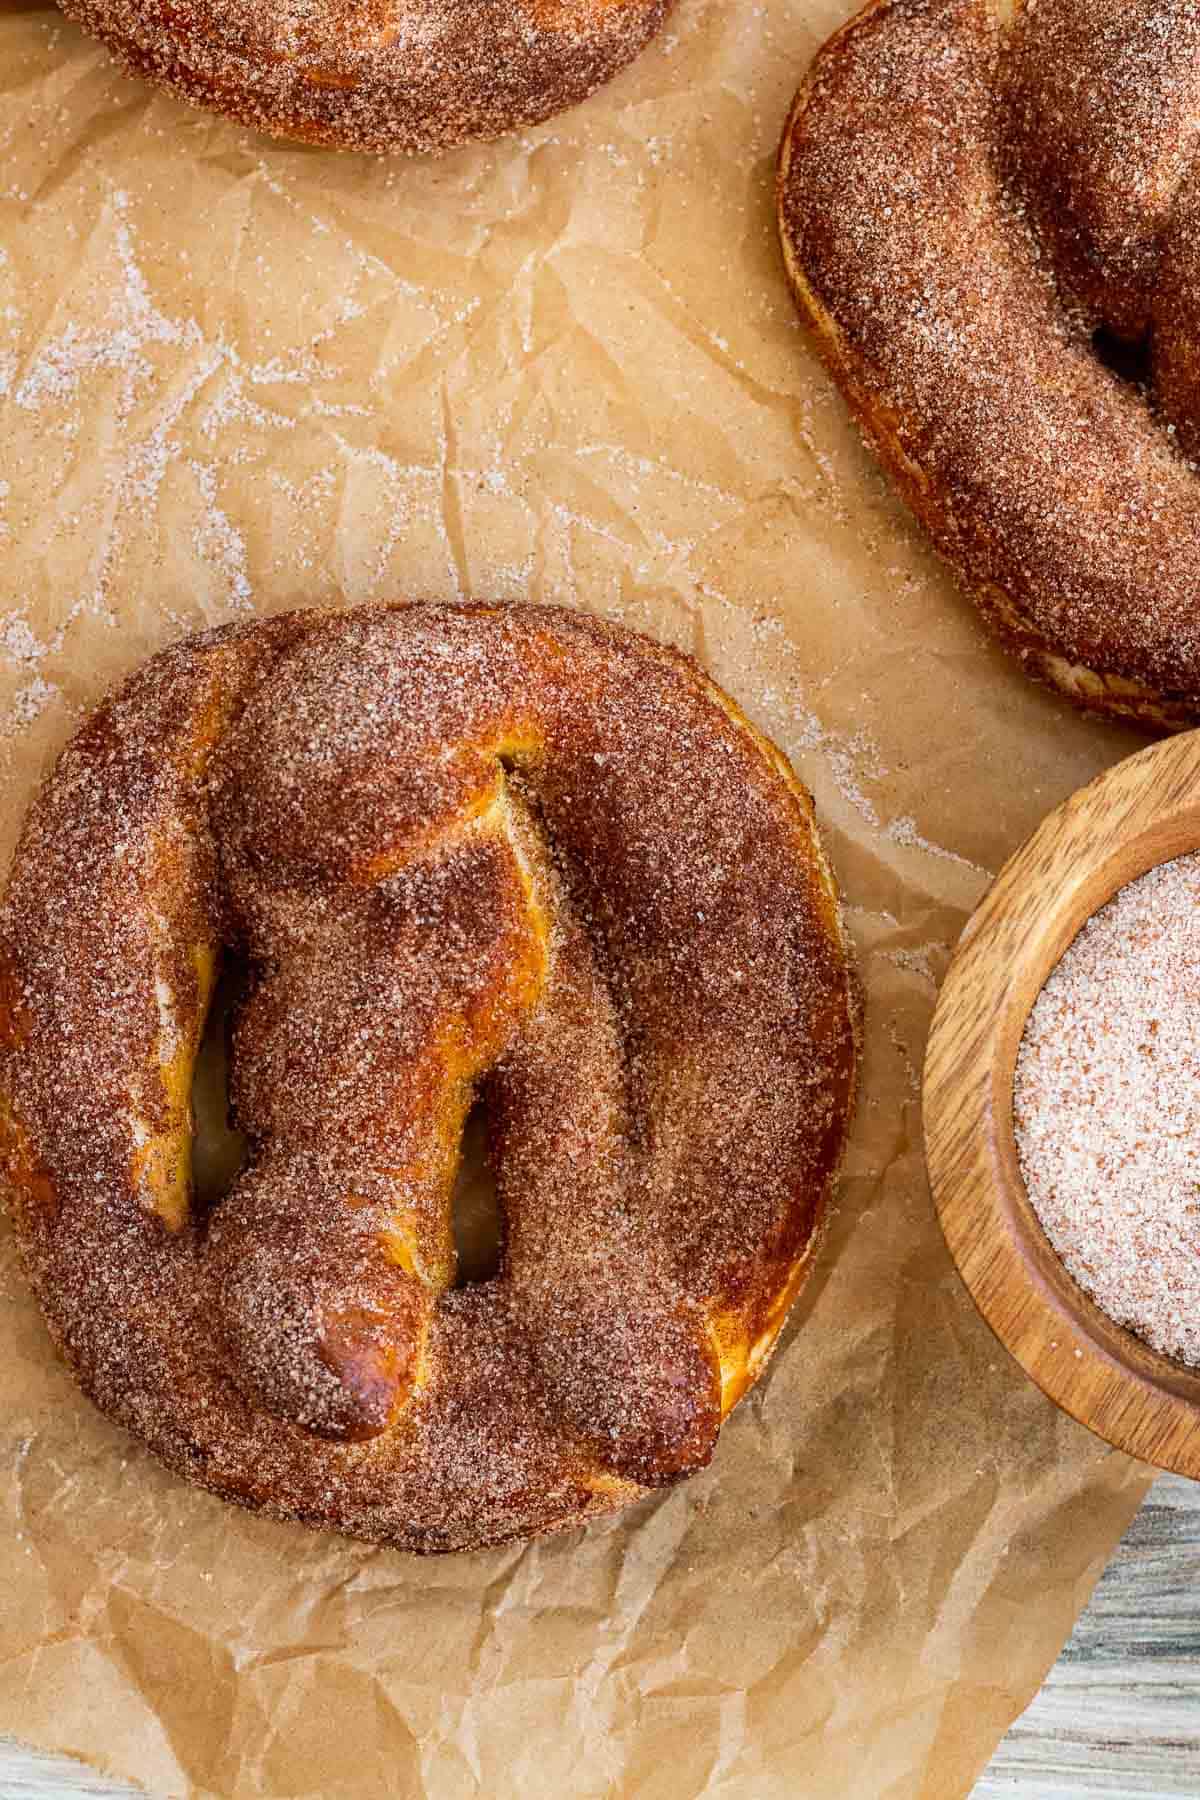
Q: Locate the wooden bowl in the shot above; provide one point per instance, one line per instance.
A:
(1143, 812)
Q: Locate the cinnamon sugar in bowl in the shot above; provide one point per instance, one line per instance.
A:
(1106, 1105)
(1062, 1105)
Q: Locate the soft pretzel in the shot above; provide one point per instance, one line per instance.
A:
(377, 75)
(969, 191)
(464, 849)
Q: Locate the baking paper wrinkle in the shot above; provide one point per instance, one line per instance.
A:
(236, 376)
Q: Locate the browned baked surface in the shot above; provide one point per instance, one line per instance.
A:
(377, 75)
(968, 191)
(506, 849)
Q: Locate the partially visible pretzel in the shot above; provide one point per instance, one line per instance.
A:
(968, 191)
(461, 847)
(377, 75)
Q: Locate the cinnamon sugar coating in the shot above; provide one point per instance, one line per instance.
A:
(377, 75)
(463, 849)
(968, 191)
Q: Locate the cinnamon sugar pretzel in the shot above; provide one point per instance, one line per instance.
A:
(464, 850)
(377, 75)
(990, 214)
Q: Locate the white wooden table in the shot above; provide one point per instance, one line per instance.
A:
(1119, 1715)
(1118, 1718)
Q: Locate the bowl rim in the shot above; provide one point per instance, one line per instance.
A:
(1142, 812)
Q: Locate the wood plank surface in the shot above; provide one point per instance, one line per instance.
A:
(1118, 1717)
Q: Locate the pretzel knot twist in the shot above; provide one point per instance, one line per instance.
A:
(975, 197)
(463, 849)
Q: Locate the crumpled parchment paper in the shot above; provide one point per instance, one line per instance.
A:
(235, 377)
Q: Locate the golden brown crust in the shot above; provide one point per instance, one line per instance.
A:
(504, 849)
(387, 75)
(968, 190)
